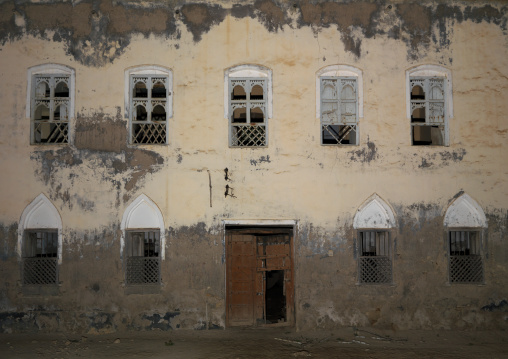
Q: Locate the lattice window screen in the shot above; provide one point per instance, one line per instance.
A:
(143, 259)
(50, 109)
(466, 263)
(149, 109)
(248, 112)
(374, 264)
(339, 110)
(40, 262)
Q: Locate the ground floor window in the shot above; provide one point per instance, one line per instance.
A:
(466, 263)
(40, 257)
(374, 262)
(143, 259)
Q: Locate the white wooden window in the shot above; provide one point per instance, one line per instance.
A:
(248, 105)
(50, 104)
(149, 104)
(429, 105)
(339, 97)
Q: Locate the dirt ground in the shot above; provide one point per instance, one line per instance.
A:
(261, 343)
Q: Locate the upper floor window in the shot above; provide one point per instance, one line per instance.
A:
(142, 243)
(339, 99)
(465, 221)
(429, 106)
(374, 220)
(51, 99)
(39, 244)
(248, 105)
(149, 106)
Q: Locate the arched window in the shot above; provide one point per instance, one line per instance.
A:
(148, 104)
(373, 221)
(248, 104)
(464, 222)
(50, 103)
(339, 104)
(40, 243)
(142, 243)
(429, 104)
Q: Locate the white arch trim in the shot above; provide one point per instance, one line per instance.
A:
(430, 70)
(340, 71)
(374, 213)
(142, 213)
(51, 69)
(248, 71)
(40, 214)
(465, 212)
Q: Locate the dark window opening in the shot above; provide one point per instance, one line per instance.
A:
(140, 90)
(62, 90)
(40, 252)
(417, 93)
(143, 262)
(238, 93)
(158, 90)
(427, 135)
(466, 263)
(256, 93)
(240, 115)
(338, 134)
(375, 264)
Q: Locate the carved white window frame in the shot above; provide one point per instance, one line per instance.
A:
(51, 69)
(143, 214)
(341, 72)
(40, 214)
(432, 71)
(248, 71)
(148, 70)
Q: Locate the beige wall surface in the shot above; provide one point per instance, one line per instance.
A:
(92, 180)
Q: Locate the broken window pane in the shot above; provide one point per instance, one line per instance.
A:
(339, 117)
(428, 120)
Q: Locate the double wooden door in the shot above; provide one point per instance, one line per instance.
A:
(259, 275)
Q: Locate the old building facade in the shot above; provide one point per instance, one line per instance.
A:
(210, 164)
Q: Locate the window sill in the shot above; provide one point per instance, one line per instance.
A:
(41, 290)
(142, 289)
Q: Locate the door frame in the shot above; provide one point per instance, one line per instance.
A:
(260, 223)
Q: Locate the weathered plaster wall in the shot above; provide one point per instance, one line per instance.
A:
(93, 180)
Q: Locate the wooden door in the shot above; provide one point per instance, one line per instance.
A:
(250, 254)
(241, 274)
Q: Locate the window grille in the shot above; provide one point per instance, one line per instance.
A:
(50, 108)
(40, 262)
(339, 111)
(466, 264)
(143, 260)
(375, 264)
(428, 110)
(148, 109)
(248, 112)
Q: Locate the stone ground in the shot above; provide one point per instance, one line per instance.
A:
(261, 343)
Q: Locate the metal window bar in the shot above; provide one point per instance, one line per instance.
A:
(40, 262)
(50, 109)
(143, 261)
(339, 110)
(466, 263)
(248, 112)
(149, 126)
(375, 264)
